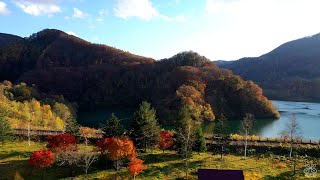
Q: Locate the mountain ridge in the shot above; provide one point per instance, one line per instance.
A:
(293, 67)
(101, 76)
(6, 39)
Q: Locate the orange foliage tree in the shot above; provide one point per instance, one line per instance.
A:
(193, 96)
(166, 140)
(136, 166)
(117, 148)
(87, 133)
(41, 159)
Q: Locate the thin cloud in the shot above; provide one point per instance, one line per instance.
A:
(101, 15)
(77, 13)
(38, 7)
(142, 9)
(179, 18)
(3, 8)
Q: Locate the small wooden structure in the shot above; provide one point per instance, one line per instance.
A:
(212, 174)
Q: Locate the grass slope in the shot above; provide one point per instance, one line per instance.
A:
(14, 165)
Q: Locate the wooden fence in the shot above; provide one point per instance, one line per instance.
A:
(211, 137)
(33, 132)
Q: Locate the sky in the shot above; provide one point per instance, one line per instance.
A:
(217, 29)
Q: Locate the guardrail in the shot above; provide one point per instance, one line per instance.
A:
(34, 132)
(213, 137)
(37, 132)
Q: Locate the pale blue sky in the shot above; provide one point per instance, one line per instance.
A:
(217, 29)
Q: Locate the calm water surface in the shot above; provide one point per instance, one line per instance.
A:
(307, 115)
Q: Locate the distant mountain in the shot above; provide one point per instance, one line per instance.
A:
(6, 39)
(98, 75)
(52, 48)
(222, 62)
(289, 72)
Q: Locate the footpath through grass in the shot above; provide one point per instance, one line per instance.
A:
(14, 165)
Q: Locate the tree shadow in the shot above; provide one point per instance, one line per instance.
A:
(21, 168)
(174, 169)
(159, 158)
(21, 154)
(289, 176)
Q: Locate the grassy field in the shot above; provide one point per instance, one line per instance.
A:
(13, 165)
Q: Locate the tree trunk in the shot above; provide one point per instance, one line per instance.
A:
(29, 134)
(117, 165)
(221, 152)
(106, 161)
(245, 146)
(145, 147)
(72, 171)
(186, 164)
(294, 168)
(290, 149)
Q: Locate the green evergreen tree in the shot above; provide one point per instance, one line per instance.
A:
(72, 126)
(113, 127)
(221, 133)
(6, 132)
(145, 130)
(200, 141)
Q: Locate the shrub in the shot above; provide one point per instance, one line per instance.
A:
(166, 140)
(62, 142)
(41, 159)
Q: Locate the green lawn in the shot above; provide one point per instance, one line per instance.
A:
(13, 165)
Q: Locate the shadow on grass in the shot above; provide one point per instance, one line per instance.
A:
(14, 154)
(159, 158)
(173, 170)
(289, 176)
(285, 175)
(21, 168)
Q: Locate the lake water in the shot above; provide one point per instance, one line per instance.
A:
(307, 115)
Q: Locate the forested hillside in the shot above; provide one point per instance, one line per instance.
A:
(6, 39)
(97, 75)
(289, 72)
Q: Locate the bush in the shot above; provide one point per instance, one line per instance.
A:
(41, 159)
(62, 142)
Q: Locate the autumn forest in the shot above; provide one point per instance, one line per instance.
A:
(50, 76)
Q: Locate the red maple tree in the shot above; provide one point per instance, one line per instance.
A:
(136, 166)
(62, 142)
(41, 159)
(166, 140)
(117, 148)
